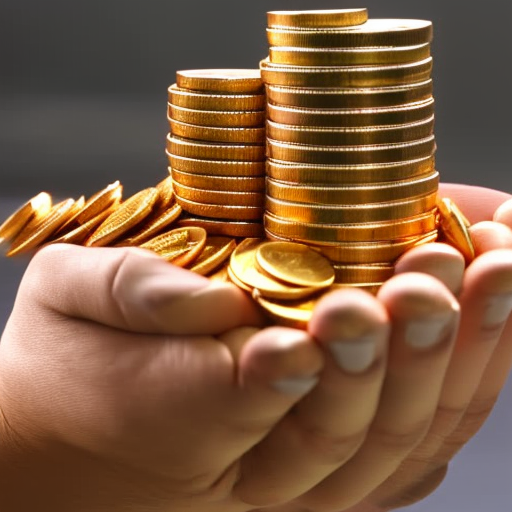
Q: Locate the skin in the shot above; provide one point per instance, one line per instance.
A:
(128, 384)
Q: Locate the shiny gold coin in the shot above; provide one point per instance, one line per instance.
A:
(349, 97)
(225, 119)
(221, 80)
(242, 264)
(217, 134)
(360, 232)
(130, 213)
(211, 151)
(296, 313)
(37, 231)
(216, 251)
(350, 214)
(294, 263)
(70, 223)
(346, 76)
(353, 194)
(216, 167)
(368, 135)
(165, 194)
(219, 211)
(224, 227)
(100, 201)
(315, 19)
(221, 274)
(408, 113)
(180, 246)
(205, 101)
(375, 32)
(372, 288)
(454, 228)
(218, 183)
(233, 279)
(335, 174)
(348, 56)
(222, 197)
(358, 274)
(34, 210)
(154, 226)
(351, 155)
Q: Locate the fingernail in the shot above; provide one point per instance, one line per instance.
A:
(498, 309)
(422, 334)
(355, 355)
(295, 385)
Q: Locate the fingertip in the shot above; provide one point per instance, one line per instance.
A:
(491, 272)
(490, 235)
(503, 213)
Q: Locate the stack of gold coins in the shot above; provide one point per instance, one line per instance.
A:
(216, 149)
(350, 140)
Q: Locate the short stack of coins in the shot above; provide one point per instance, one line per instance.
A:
(350, 142)
(216, 149)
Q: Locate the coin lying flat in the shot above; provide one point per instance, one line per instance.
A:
(315, 19)
(216, 251)
(294, 263)
(216, 167)
(224, 227)
(294, 314)
(210, 182)
(221, 80)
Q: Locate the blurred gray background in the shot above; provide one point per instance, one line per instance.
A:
(83, 93)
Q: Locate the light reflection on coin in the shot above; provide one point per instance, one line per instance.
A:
(326, 18)
(220, 211)
(220, 80)
(224, 227)
(100, 201)
(294, 314)
(216, 251)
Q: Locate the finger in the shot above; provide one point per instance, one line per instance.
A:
(436, 259)
(424, 316)
(489, 235)
(330, 423)
(134, 290)
(503, 213)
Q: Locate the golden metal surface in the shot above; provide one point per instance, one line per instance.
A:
(313, 19)
(165, 194)
(221, 80)
(348, 56)
(100, 201)
(453, 226)
(216, 167)
(128, 214)
(294, 263)
(217, 183)
(207, 101)
(70, 222)
(358, 274)
(216, 251)
(375, 32)
(219, 197)
(218, 211)
(294, 314)
(224, 227)
(346, 76)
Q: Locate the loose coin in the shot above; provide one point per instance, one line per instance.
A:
(165, 194)
(216, 167)
(375, 32)
(216, 251)
(294, 314)
(316, 19)
(130, 213)
(220, 211)
(224, 227)
(99, 202)
(294, 263)
(222, 197)
(221, 80)
(216, 183)
(34, 209)
(454, 227)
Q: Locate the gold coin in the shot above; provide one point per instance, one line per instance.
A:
(75, 210)
(221, 275)
(196, 149)
(315, 19)
(353, 194)
(154, 226)
(359, 274)
(367, 135)
(221, 80)
(180, 246)
(349, 97)
(100, 201)
(217, 183)
(219, 211)
(222, 197)
(34, 209)
(454, 228)
(233, 279)
(217, 134)
(242, 264)
(224, 227)
(348, 56)
(296, 313)
(165, 194)
(408, 113)
(206, 101)
(375, 32)
(346, 76)
(335, 174)
(351, 155)
(39, 230)
(360, 232)
(216, 251)
(294, 263)
(247, 119)
(351, 214)
(216, 167)
(130, 213)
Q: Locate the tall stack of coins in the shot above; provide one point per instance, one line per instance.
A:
(216, 149)
(350, 142)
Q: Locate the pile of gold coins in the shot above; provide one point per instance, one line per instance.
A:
(216, 148)
(350, 168)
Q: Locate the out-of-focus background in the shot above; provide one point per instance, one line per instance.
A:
(83, 93)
